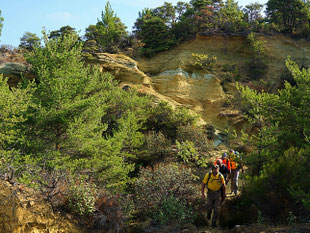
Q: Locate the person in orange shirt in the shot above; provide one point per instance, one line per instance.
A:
(225, 160)
(214, 181)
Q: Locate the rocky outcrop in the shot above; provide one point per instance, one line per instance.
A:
(29, 213)
(200, 92)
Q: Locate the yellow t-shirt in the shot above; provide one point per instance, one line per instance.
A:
(215, 182)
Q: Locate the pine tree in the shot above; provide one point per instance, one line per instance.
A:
(66, 126)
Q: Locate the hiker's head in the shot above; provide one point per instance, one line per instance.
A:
(219, 162)
(231, 151)
(224, 155)
(215, 169)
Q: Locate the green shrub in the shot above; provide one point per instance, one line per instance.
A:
(203, 61)
(157, 144)
(187, 153)
(282, 186)
(257, 66)
(173, 210)
(196, 135)
(81, 198)
(162, 186)
(164, 118)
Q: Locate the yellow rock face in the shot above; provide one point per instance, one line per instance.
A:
(20, 213)
(169, 76)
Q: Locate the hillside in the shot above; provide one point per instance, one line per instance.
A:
(170, 77)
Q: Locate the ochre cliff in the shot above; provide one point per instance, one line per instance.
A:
(170, 77)
(22, 211)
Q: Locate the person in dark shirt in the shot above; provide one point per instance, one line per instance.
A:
(223, 170)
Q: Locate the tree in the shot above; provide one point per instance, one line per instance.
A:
(231, 16)
(154, 33)
(65, 30)
(29, 40)
(288, 14)
(283, 116)
(253, 12)
(67, 126)
(14, 102)
(166, 12)
(108, 32)
(1, 24)
(281, 141)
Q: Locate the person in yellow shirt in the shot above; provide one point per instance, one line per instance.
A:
(214, 181)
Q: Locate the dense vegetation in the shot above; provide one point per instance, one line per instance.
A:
(79, 139)
(108, 154)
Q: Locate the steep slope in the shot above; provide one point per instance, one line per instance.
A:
(170, 77)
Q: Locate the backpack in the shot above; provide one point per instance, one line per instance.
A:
(220, 176)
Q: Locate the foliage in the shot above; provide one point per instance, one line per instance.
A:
(157, 144)
(252, 14)
(257, 46)
(282, 175)
(174, 211)
(63, 31)
(187, 153)
(81, 197)
(154, 32)
(232, 72)
(203, 61)
(108, 32)
(231, 17)
(282, 146)
(29, 40)
(165, 185)
(196, 135)
(71, 124)
(162, 117)
(288, 14)
(14, 102)
(256, 67)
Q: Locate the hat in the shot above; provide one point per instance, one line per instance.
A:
(224, 156)
(215, 166)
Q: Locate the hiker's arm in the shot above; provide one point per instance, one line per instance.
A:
(203, 190)
(224, 190)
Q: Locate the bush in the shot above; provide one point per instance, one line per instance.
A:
(173, 210)
(157, 144)
(165, 119)
(195, 135)
(112, 212)
(188, 154)
(203, 61)
(166, 185)
(257, 67)
(81, 198)
(282, 186)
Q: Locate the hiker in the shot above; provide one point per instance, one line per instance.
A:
(234, 158)
(214, 181)
(225, 160)
(223, 170)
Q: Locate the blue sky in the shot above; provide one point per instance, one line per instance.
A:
(22, 16)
